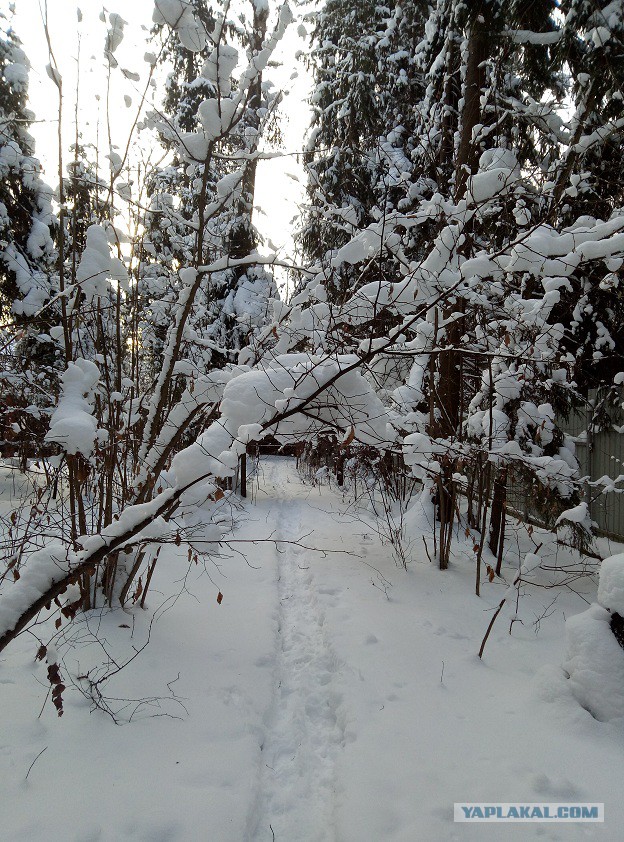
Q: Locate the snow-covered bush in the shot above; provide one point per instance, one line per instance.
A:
(595, 658)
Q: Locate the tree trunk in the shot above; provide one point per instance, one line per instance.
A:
(448, 386)
(497, 517)
(242, 240)
(467, 154)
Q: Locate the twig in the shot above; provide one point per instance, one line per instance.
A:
(44, 702)
(497, 612)
(34, 761)
(489, 628)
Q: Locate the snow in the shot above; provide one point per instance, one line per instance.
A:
(493, 182)
(33, 285)
(202, 458)
(310, 704)
(43, 568)
(419, 453)
(349, 402)
(525, 36)
(305, 725)
(228, 184)
(216, 116)
(577, 514)
(10, 155)
(252, 299)
(204, 389)
(169, 11)
(115, 34)
(220, 65)
(97, 267)
(598, 135)
(179, 15)
(333, 391)
(39, 241)
(195, 145)
(72, 425)
(595, 664)
(16, 74)
(611, 586)
(146, 515)
(54, 75)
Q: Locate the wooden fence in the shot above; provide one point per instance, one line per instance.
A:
(599, 454)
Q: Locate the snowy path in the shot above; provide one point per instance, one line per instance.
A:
(304, 730)
(313, 703)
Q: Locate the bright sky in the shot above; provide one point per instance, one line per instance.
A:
(277, 193)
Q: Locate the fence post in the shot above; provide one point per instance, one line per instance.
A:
(589, 448)
(243, 475)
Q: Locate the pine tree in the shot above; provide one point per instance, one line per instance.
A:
(27, 256)
(25, 201)
(587, 184)
(360, 148)
(346, 123)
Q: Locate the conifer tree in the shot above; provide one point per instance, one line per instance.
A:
(25, 201)
(27, 270)
(587, 184)
(346, 117)
(233, 303)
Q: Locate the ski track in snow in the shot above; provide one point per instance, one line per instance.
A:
(305, 725)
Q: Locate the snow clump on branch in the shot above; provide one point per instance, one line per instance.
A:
(72, 425)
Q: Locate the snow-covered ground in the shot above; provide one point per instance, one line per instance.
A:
(330, 696)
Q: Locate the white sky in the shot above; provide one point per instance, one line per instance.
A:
(277, 194)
